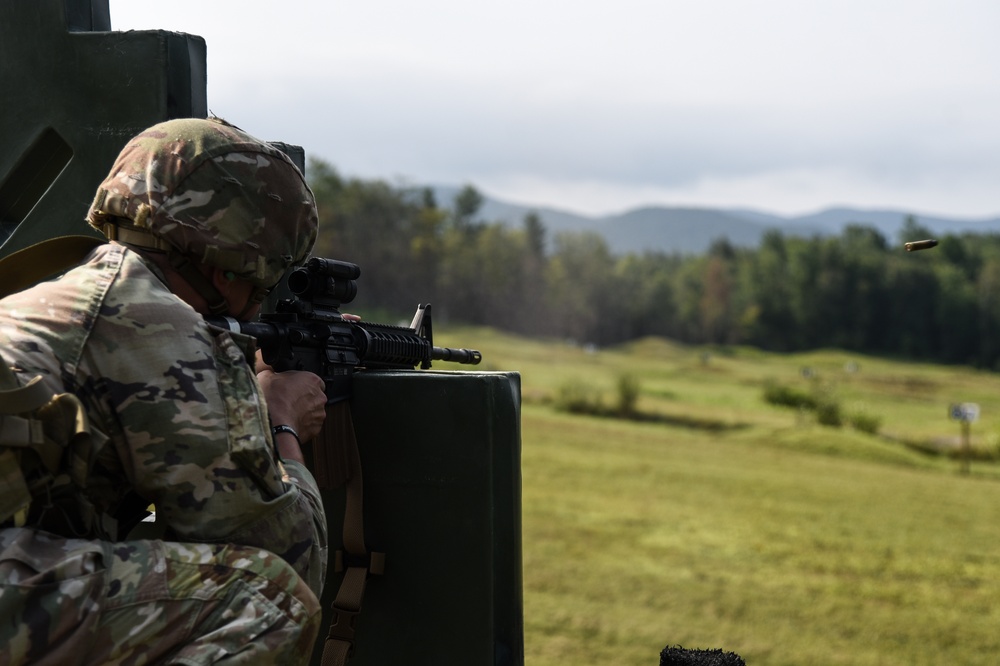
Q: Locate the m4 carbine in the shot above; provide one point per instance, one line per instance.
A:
(308, 331)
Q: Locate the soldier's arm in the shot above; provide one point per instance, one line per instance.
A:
(191, 428)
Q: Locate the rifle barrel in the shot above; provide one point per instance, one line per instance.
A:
(467, 356)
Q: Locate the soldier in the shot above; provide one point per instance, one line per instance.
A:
(165, 410)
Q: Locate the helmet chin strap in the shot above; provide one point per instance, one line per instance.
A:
(254, 300)
(216, 302)
(123, 231)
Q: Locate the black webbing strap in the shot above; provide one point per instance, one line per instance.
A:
(355, 560)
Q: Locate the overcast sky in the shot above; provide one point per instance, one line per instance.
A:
(784, 106)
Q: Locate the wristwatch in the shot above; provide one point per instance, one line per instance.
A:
(285, 428)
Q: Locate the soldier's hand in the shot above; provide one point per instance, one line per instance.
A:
(295, 398)
(261, 366)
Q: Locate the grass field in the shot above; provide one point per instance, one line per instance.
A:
(721, 521)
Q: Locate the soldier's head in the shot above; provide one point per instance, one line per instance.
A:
(222, 206)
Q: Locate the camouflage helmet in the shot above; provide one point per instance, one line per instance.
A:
(206, 190)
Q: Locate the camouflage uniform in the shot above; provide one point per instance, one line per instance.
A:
(187, 430)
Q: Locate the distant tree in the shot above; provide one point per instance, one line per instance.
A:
(531, 265)
(715, 306)
(855, 290)
(534, 230)
(863, 239)
(915, 291)
(956, 317)
(805, 268)
(722, 248)
(689, 286)
(988, 290)
(645, 292)
(427, 249)
(769, 317)
(373, 224)
(428, 199)
(581, 293)
(467, 204)
(495, 280)
(865, 299)
(912, 230)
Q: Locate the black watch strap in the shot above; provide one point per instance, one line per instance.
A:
(285, 428)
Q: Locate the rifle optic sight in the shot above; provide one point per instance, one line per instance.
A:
(327, 282)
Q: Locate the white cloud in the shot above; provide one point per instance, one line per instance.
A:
(782, 105)
(787, 192)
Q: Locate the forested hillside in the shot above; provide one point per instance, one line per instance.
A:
(858, 291)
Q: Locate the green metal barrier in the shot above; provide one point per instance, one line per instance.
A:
(440, 457)
(74, 92)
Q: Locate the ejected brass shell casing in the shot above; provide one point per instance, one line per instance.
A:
(913, 246)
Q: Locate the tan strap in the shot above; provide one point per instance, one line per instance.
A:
(226, 259)
(332, 464)
(64, 414)
(69, 416)
(66, 419)
(16, 430)
(26, 267)
(21, 432)
(16, 496)
(346, 608)
(134, 236)
(355, 560)
(21, 399)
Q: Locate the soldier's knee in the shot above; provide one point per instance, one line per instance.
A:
(249, 605)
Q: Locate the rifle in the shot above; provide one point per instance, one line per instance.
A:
(308, 331)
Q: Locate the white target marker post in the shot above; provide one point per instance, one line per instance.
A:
(965, 413)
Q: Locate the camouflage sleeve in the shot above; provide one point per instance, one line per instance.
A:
(186, 415)
(297, 474)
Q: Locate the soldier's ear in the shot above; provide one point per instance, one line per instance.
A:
(222, 280)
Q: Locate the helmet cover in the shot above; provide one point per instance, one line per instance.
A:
(213, 194)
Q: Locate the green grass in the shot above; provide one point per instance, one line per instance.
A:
(765, 534)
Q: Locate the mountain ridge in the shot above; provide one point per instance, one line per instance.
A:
(692, 230)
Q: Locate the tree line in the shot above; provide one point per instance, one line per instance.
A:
(856, 291)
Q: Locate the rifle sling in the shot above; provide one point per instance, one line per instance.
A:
(341, 445)
(331, 463)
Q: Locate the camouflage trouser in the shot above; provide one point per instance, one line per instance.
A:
(69, 601)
